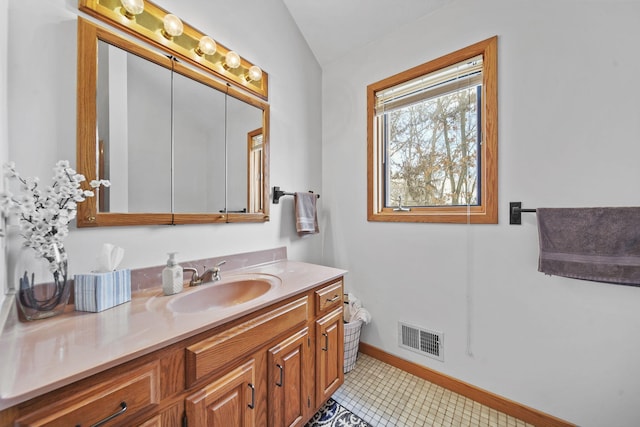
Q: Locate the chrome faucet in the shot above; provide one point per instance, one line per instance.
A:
(208, 275)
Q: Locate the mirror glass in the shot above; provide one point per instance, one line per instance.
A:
(199, 147)
(244, 122)
(134, 132)
(177, 145)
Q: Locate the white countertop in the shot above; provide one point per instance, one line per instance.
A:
(40, 356)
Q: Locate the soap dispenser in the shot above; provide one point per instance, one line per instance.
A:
(172, 280)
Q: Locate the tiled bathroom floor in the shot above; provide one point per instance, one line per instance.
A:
(384, 395)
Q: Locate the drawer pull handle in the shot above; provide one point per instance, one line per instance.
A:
(123, 408)
(326, 341)
(279, 383)
(334, 299)
(253, 396)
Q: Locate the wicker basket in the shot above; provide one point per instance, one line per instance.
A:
(351, 341)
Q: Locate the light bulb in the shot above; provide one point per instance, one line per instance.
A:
(206, 46)
(132, 7)
(232, 60)
(172, 26)
(254, 74)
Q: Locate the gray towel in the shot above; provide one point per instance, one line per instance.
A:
(598, 244)
(306, 213)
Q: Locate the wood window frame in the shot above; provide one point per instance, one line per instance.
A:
(487, 211)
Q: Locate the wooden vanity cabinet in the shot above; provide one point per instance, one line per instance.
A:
(119, 399)
(274, 368)
(329, 355)
(328, 297)
(230, 401)
(290, 380)
(237, 396)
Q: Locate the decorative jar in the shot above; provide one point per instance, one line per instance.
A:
(42, 286)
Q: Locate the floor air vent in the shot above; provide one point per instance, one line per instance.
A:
(428, 343)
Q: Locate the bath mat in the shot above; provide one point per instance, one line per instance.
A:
(332, 414)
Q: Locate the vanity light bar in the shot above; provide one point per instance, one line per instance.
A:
(149, 25)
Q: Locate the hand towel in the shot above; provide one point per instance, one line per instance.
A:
(306, 213)
(597, 244)
(357, 311)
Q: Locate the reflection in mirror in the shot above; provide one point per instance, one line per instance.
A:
(199, 159)
(242, 120)
(255, 143)
(173, 157)
(134, 132)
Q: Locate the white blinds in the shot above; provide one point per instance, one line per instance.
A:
(465, 74)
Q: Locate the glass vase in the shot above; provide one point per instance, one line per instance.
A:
(43, 288)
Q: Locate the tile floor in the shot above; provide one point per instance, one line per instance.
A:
(384, 395)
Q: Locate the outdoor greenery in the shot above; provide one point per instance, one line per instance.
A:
(432, 151)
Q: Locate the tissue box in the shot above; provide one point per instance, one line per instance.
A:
(98, 291)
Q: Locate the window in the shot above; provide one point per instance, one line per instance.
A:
(432, 140)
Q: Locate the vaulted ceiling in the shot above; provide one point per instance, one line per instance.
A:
(332, 28)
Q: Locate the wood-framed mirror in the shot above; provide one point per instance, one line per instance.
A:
(172, 140)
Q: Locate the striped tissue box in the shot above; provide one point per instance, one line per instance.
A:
(98, 291)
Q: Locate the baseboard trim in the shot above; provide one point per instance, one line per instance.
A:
(499, 403)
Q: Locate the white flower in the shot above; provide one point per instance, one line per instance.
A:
(10, 170)
(97, 183)
(44, 215)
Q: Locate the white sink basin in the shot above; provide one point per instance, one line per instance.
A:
(230, 291)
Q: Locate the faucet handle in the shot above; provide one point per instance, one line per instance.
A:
(204, 267)
(216, 270)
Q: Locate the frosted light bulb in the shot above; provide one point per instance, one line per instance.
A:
(132, 7)
(206, 46)
(172, 26)
(232, 60)
(254, 74)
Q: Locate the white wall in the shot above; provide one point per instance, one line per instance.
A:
(569, 121)
(42, 119)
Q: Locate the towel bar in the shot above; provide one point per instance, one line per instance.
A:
(277, 193)
(515, 213)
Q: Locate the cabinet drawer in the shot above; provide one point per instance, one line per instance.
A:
(329, 297)
(121, 398)
(213, 353)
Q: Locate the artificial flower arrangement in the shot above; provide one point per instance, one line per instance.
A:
(44, 215)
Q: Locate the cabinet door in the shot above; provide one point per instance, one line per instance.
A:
(226, 402)
(329, 355)
(290, 376)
